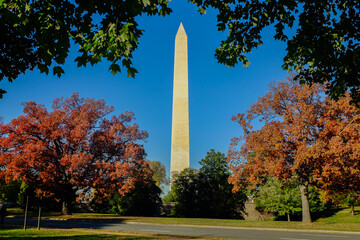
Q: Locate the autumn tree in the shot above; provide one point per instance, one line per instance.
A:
(141, 200)
(322, 45)
(73, 149)
(38, 34)
(338, 146)
(302, 134)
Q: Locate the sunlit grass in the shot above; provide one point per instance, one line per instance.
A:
(317, 225)
(343, 216)
(51, 234)
(12, 233)
(342, 220)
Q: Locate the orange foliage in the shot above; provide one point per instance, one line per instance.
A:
(303, 134)
(73, 149)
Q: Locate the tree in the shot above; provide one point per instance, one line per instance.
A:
(276, 197)
(207, 193)
(217, 198)
(283, 198)
(73, 150)
(304, 135)
(38, 34)
(338, 146)
(140, 201)
(324, 49)
(9, 192)
(349, 198)
(319, 206)
(159, 173)
(185, 194)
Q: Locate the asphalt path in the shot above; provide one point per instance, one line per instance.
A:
(191, 230)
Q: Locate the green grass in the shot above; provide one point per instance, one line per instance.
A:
(12, 233)
(33, 213)
(317, 225)
(55, 234)
(343, 216)
(340, 221)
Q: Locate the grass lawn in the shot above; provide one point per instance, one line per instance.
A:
(317, 225)
(343, 216)
(340, 221)
(61, 234)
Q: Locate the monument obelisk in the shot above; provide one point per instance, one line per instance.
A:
(180, 116)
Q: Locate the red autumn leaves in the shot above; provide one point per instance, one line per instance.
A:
(74, 149)
(303, 134)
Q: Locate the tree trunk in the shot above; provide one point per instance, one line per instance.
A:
(288, 217)
(306, 217)
(65, 208)
(352, 210)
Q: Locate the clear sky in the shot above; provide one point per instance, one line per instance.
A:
(216, 92)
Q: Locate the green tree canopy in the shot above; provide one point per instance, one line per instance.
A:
(283, 198)
(206, 192)
(278, 198)
(9, 191)
(159, 173)
(324, 48)
(184, 193)
(140, 201)
(38, 34)
(348, 197)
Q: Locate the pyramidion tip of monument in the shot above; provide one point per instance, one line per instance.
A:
(181, 28)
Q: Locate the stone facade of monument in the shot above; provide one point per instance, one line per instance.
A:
(180, 157)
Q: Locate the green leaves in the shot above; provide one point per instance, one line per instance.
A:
(58, 71)
(202, 10)
(2, 92)
(207, 192)
(114, 68)
(146, 2)
(275, 197)
(43, 68)
(159, 173)
(40, 33)
(323, 48)
(131, 72)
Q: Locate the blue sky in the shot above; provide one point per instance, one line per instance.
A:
(216, 92)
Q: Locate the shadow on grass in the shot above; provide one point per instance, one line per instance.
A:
(326, 213)
(314, 215)
(78, 237)
(357, 212)
(12, 232)
(65, 223)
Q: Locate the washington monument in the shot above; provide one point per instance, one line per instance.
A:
(180, 115)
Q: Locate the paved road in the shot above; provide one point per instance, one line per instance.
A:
(200, 231)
